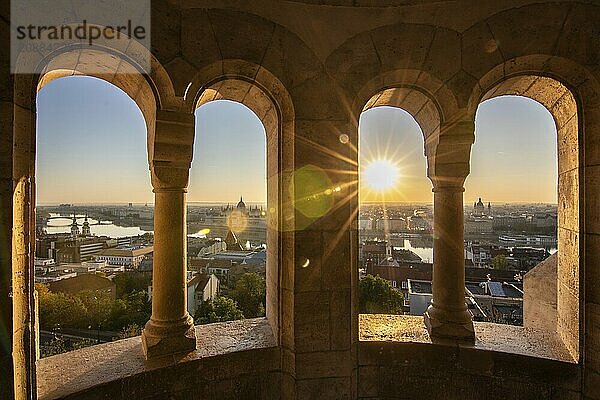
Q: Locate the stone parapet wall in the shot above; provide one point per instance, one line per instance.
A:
(397, 360)
(234, 360)
(539, 295)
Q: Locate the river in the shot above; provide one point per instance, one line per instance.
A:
(107, 228)
(426, 253)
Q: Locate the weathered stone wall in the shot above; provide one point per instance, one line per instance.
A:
(561, 104)
(320, 65)
(237, 360)
(420, 371)
(539, 295)
(401, 361)
(6, 187)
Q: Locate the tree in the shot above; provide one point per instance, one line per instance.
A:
(220, 309)
(500, 263)
(97, 304)
(130, 331)
(377, 296)
(92, 308)
(135, 309)
(60, 309)
(60, 345)
(132, 281)
(249, 293)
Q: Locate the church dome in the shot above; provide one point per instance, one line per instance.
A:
(241, 204)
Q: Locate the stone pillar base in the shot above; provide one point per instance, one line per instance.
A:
(449, 325)
(161, 338)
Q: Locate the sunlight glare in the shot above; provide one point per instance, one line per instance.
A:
(381, 175)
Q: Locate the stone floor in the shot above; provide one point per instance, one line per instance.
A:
(493, 337)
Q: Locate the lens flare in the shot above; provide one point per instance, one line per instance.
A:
(380, 175)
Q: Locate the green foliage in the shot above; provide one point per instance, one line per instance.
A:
(221, 309)
(500, 263)
(92, 309)
(130, 331)
(377, 296)
(60, 309)
(97, 305)
(60, 345)
(132, 281)
(249, 293)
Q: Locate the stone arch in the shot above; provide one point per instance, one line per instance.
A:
(421, 100)
(447, 128)
(448, 136)
(394, 47)
(559, 29)
(149, 91)
(562, 104)
(266, 96)
(110, 66)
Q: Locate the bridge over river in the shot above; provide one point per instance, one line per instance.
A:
(68, 220)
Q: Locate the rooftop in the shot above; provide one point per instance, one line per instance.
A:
(126, 251)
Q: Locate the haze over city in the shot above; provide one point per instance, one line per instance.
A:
(92, 149)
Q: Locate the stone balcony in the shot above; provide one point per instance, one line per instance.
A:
(236, 359)
(396, 356)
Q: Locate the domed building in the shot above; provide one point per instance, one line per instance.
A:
(241, 205)
(479, 208)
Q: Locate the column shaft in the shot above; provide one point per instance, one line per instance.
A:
(170, 329)
(447, 316)
(169, 274)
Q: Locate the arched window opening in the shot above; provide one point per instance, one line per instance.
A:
(544, 170)
(396, 215)
(510, 204)
(94, 216)
(227, 215)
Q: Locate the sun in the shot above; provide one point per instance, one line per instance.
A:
(381, 175)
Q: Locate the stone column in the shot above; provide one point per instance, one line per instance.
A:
(170, 329)
(447, 316)
(448, 158)
(23, 251)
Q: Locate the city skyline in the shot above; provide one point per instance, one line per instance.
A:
(77, 136)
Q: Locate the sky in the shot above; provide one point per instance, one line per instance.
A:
(92, 149)
(513, 159)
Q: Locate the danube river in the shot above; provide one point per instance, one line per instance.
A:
(106, 228)
(426, 253)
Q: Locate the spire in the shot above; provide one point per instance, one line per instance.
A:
(85, 231)
(231, 241)
(74, 227)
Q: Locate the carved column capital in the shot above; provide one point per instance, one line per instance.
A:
(168, 178)
(170, 150)
(449, 154)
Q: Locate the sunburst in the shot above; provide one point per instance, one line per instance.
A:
(381, 175)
